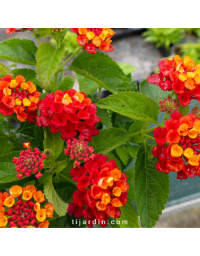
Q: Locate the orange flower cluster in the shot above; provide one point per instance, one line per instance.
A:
(20, 208)
(93, 38)
(19, 96)
(182, 153)
(179, 75)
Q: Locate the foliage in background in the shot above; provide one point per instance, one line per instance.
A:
(163, 37)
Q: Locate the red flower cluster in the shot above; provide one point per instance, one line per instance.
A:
(29, 162)
(79, 150)
(93, 38)
(11, 30)
(20, 208)
(180, 75)
(102, 189)
(177, 146)
(70, 113)
(19, 96)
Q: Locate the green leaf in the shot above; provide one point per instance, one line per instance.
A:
(66, 84)
(123, 154)
(27, 73)
(39, 136)
(5, 146)
(131, 104)
(53, 142)
(105, 117)
(20, 51)
(44, 32)
(27, 129)
(109, 139)
(184, 110)
(126, 68)
(153, 91)
(7, 168)
(86, 85)
(130, 215)
(60, 165)
(52, 196)
(102, 69)
(152, 188)
(132, 150)
(48, 61)
(131, 181)
(133, 84)
(4, 70)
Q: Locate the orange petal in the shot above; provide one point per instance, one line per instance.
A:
(44, 224)
(9, 201)
(193, 133)
(176, 150)
(3, 221)
(15, 191)
(116, 202)
(188, 152)
(41, 215)
(196, 125)
(100, 206)
(105, 198)
(194, 161)
(117, 191)
(39, 196)
(116, 174)
(27, 195)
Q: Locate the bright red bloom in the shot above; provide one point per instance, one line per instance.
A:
(19, 96)
(20, 208)
(29, 162)
(71, 113)
(180, 75)
(95, 38)
(180, 151)
(102, 189)
(160, 134)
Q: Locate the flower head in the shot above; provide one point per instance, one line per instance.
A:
(196, 111)
(102, 190)
(79, 150)
(178, 149)
(93, 38)
(180, 75)
(20, 97)
(29, 162)
(21, 208)
(169, 105)
(71, 113)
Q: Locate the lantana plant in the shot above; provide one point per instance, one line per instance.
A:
(69, 158)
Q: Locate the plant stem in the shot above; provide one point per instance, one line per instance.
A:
(60, 69)
(67, 179)
(164, 118)
(35, 34)
(99, 93)
(142, 132)
(11, 139)
(150, 137)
